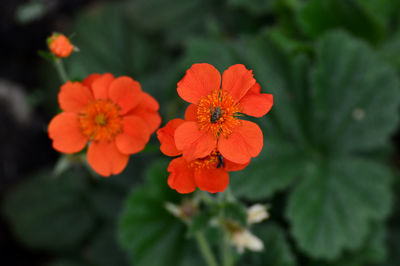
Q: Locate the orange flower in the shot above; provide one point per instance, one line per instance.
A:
(213, 116)
(113, 114)
(209, 173)
(60, 45)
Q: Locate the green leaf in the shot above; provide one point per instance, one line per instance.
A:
(337, 116)
(106, 201)
(177, 19)
(382, 10)
(317, 17)
(236, 212)
(373, 250)
(150, 234)
(122, 51)
(288, 43)
(355, 96)
(277, 251)
(393, 225)
(284, 126)
(215, 52)
(50, 213)
(279, 164)
(273, 69)
(331, 209)
(104, 250)
(46, 55)
(255, 7)
(199, 222)
(394, 247)
(390, 51)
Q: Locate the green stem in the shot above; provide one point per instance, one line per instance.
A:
(61, 70)
(226, 252)
(205, 249)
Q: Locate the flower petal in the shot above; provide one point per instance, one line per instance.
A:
(74, 97)
(148, 102)
(100, 86)
(255, 103)
(256, 88)
(89, 80)
(212, 180)
(191, 113)
(245, 142)
(106, 159)
(181, 176)
(64, 131)
(134, 137)
(152, 120)
(166, 137)
(231, 166)
(200, 80)
(147, 109)
(125, 92)
(193, 142)
(237, 80)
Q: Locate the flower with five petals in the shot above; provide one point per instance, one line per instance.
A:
(213, 117)
(112, 114)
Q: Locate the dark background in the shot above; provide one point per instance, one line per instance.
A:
(24, 145)
(156, 47)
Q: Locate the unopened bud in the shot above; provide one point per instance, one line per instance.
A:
(245, 239)
(257, 213)
(60, 45)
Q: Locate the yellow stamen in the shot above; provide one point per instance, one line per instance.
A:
(208, 162)
(217, 113)
(100, 121)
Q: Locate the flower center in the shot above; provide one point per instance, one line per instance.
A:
(214, 160)
(218, 113)
(100, 121)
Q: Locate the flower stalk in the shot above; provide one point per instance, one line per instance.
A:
(61, 70)
(227, 259)
(226, 254)
(205, 249)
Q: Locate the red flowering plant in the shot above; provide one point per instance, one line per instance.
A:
(212, 139)
(112, 114)
(110, 118)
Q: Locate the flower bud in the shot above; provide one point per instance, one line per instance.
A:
(257, 213)
(245, 239)
(60, 45)
(185, 211)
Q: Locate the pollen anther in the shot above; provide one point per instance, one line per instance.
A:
(209, 162)
(100, 121)
(217, 113)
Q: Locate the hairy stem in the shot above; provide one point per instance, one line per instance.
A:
(61, 70)
(225, 249)
(205, 249)
(226, 252)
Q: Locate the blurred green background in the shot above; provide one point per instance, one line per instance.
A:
(329, 167)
